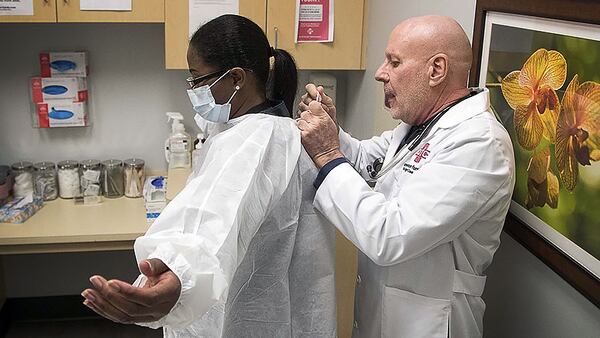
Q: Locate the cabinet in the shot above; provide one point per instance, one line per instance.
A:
(141, 11)
(277, 17)
(68, 11)
(177, 28)
(43, 11)
(345, 52)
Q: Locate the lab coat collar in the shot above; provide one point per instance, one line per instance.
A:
(399, 134)
(465, 110)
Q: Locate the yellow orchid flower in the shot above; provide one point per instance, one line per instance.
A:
(542, 184)
(531, 92)
(578, 130)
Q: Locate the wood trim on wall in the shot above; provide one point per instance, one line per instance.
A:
(570, 10)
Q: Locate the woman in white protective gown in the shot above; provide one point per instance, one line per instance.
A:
(240, 252)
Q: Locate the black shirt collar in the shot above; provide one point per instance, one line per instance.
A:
(275, 108)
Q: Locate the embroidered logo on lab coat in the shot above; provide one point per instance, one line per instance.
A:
(422, 154)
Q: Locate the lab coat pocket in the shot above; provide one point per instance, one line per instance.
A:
(409, 315)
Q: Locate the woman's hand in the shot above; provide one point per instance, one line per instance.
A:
(122, 302)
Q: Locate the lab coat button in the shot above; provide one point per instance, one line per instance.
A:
(358, 280)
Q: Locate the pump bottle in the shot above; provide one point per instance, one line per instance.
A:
(178, 146)
(196, 153)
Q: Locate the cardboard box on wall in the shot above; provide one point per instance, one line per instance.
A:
(62, 113)
(67, 64)
(66, 88)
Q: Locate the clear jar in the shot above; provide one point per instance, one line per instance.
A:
(90, 171)
(44, 180)
(112, 178)
(134, 177)
(68, 179)
(23, 173)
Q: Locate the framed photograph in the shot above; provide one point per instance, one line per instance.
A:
(539, 59)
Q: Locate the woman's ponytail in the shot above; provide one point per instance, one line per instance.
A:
(283, 82)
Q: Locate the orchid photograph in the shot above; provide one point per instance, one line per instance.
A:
(545, 88)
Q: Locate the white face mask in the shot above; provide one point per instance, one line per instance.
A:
(205, 106)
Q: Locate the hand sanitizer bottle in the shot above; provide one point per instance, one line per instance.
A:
(179, 144)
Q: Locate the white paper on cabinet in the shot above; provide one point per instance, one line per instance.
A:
(105, 5)
(16, 7)
(202, 11)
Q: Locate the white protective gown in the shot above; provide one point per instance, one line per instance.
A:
(429, 227)
(253, 257)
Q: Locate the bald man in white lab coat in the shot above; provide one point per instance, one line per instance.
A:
(442, 181)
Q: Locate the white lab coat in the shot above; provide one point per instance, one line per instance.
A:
(429, 227)
(253, 256)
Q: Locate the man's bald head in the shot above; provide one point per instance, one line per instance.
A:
(434, 34)
(426, 67)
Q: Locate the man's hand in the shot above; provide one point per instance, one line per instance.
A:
(327, 103)
(122, 302)
(319, 134)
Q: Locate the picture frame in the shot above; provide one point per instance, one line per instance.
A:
(576, 19)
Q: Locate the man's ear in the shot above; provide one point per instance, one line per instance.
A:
(239, 76)
(438, 69)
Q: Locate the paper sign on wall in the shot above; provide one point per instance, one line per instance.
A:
(202, 11)
(314, 21)
(105, 5)
(16, 7)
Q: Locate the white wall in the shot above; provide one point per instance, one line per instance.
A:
(524, 297)
(129, 89)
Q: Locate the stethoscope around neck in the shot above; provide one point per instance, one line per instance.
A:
(376, 170)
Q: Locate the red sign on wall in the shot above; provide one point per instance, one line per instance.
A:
(314, 21)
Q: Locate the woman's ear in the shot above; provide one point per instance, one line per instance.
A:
(239, 76)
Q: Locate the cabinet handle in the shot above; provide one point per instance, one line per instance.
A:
(276, 37)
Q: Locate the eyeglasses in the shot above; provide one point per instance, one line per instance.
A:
(195, 81)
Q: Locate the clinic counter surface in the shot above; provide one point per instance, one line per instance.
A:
(62, 226)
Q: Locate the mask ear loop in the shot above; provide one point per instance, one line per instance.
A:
(220, 77)
(237, 88)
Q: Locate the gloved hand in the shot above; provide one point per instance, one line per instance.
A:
(319, 134)
(122, 302)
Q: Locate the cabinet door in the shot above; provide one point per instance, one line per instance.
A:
(177, 27)
(141, 11)
(43, 11)
(346, 50)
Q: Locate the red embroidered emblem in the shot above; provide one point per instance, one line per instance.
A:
(422, 154)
